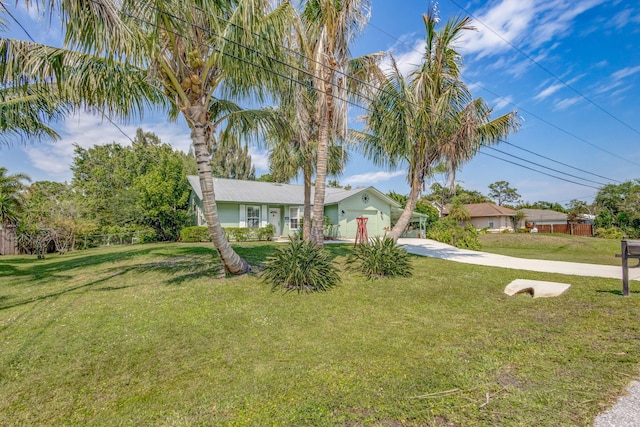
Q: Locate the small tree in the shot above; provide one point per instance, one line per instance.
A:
(501, 192)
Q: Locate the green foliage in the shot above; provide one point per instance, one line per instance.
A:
(195, 234)
(266, 233)
(449, 231)
(609, 233)
(232, 160)
(11, 196)
(300, 266)
(501, 192)
(380, 257)
(144, 184)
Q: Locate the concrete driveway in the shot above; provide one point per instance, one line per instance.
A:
(434, 249)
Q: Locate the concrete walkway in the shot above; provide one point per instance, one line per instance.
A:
(434, 249)
(626, 411)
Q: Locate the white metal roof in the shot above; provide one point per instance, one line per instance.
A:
(234, 190)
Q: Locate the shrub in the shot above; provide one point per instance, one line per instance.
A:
(146, 235)
(300, 266)
(609, 233)
(449, 231)
(239, 234)
(195, 234)
(380, 257)
(266, 233)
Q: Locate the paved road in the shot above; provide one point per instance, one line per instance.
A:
(435, 249)
(626, 411)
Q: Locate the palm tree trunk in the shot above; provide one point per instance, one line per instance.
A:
(410, 206)
(451, 171)
(317, 231)
(307, 172)
(232, 262)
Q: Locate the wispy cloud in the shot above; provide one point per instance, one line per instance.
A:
(566, 103)
(372, 177)
(548, 91)
(524, 23)
(625, 72)
(503, 102)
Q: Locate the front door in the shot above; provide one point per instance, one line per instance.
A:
(274, 219)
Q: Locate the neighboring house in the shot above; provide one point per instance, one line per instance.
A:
(493, 217)
(255, 204)
(544, 217)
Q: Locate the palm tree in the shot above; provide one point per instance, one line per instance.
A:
(329, 26)
(11, 189)
(430, 116)
(188, 57)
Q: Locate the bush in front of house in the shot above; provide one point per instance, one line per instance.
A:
(300, 266)
(195, 234)
(380, 257)
(448, 230)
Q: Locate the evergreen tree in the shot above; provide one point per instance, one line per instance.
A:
(231, 160)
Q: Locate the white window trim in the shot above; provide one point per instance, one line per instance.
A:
(247, 214)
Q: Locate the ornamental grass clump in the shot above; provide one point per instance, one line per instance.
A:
(300, 266)
(380, 257)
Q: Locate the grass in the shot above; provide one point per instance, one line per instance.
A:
(149, 335)
(557, 247)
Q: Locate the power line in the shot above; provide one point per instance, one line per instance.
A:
(294, 80)
(559, 162)
(519, 108)
(542, 67)
(557, 127)
(543, 173)
(542, 166)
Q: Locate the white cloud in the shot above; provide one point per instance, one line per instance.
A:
(625, 72)
(503, 102)
(548, 91)
(259, 159)
(566, 103)
(523, 23)
(372, 178)
(86, 130)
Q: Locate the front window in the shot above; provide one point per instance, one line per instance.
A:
(294, 218)
(253, 216)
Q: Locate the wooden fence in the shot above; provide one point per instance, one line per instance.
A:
(8, 242)
(573, 229)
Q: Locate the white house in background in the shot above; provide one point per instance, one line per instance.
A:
(544, 217)
(255, 204)
(490, 216)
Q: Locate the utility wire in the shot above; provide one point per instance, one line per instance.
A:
(557, 127)
(542, 67)
(308, 85)
(543, 173)
(559, 162)
(519, 108)
(33, 40)
(542, 166)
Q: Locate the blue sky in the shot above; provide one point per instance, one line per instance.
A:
(571, 69)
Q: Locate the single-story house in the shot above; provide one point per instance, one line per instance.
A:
(255, 204)
(493, 217)
(544, 217)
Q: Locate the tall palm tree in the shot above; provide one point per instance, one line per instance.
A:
(429, 116)
(188, 57)
(11, 189)
(329, 27)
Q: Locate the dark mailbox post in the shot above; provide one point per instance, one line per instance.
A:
(629, 249)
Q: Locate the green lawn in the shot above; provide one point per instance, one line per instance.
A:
(149, 335)
(558, 247)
